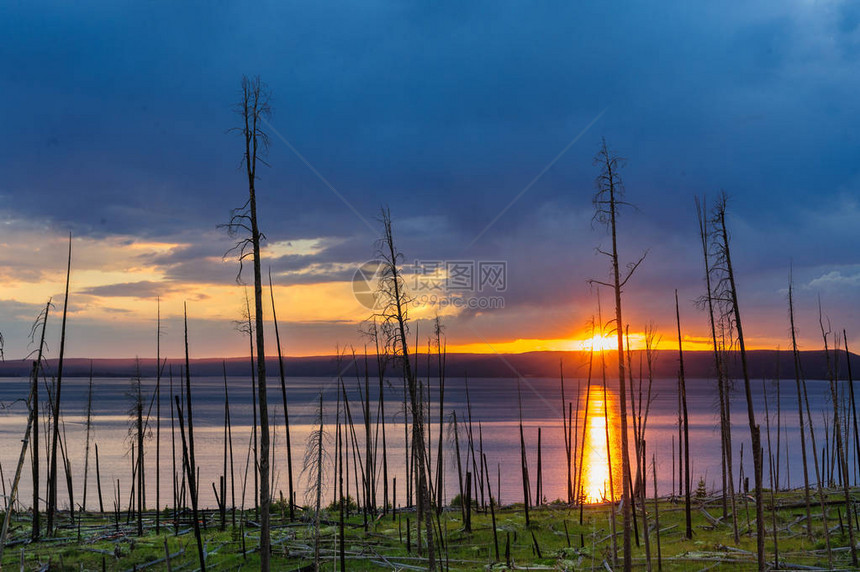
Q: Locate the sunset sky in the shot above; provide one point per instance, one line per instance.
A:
(476, 123)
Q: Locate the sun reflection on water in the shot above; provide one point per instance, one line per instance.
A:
(596, 486)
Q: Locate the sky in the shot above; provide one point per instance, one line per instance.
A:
(475, 123)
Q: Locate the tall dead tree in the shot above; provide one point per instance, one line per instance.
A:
(841, 453)
(640, 419)
(772, 472)
(136, 434)
(228, 445)
(566, 432)
(688, 519)
(722, 383)
(192, 459)
(159, 369)
(175, 478)
(608, 440)
(253, 108)
(395, 317)
(13, 493)
(524, 463)
(314, 466)
(41, 322)
(52, 476)
(607, 202)
(797, 373)
(188, 466)
(89, 430)
(246, 327)
(441, 356)
(851, 397)
(338, 470)
(727, 294)
(369, 463)
(284, 398)
(381, 364)
(580, 493)
(454, 434)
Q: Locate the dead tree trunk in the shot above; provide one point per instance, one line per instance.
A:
(687, 509)
(228, 444)
(492, 508)
(642, 497)
(580, 495)
(159, 369)
(722, 382)
(565, 433)
(192, 462)
(851, 394)
(139, 434)
(797, 374)
(87, 445)
(188, 464)
(175, 480)
(395, 315)
(524, 463)
(52, 478)
(656, 514)
(607, 202)
(734, 315)
(471, 434)
(381, 362)
(840, 445)
(254, 109)
(612, 497)
(99, 481)
(22, 457)
(369, 462)
(284, 398)
(248, 327)
(34, 387)
(341, 499)
(463, 507)
(441, 355)
(772, 474)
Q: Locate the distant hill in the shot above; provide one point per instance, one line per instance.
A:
(697, 364)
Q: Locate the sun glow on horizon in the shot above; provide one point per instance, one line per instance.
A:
(607, 342)
(597, 343)
(638, 341)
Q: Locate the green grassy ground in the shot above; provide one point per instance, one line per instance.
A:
(97, 542)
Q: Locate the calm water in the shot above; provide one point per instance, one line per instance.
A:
(494, 411)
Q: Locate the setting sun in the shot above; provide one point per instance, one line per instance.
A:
(597, 342)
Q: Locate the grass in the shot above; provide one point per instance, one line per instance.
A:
(103, 545)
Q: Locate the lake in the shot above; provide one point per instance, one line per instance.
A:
(494, 413)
